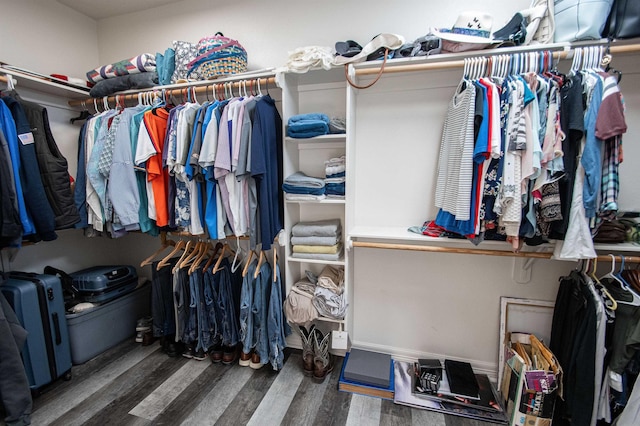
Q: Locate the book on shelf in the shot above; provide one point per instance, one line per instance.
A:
(353, 386)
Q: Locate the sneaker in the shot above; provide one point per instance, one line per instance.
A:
(200, 355)
(144, 324)
(188, 351)
(139, 336)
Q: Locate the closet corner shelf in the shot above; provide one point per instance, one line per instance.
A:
(325, 201)
(319, 261)
(44, 84)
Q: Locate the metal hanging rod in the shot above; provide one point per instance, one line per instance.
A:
(557, 55)
(201, 89)
(503, 253)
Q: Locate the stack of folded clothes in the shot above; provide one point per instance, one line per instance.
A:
(314, 296)
(335, 170)
(299, 186)
(308, 125)
(138, 72)
(320, 240)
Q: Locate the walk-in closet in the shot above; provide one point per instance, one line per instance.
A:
(353, 234)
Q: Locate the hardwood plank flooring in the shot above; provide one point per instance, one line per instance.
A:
(134, 385)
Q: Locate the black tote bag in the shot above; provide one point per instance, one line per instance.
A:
(624, 19)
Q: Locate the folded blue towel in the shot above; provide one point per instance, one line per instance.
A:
(307, 129)
(314, 116)
(289, 189)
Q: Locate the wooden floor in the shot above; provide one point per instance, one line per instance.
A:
(140, 385)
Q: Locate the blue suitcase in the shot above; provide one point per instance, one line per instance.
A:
(98, 284)
(38, 302)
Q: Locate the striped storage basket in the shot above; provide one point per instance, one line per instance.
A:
(218, 55)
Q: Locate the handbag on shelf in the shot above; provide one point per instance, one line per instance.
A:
(624, 20)
(218, 55)
(580, 19)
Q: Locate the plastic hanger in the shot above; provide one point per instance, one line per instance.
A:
(635, 301)
(164, 244)
(237, 258)
(180, 245)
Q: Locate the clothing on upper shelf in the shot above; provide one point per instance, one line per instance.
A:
(511, 155)
(213, 168)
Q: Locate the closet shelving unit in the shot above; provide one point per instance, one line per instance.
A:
(42, 84)
(434, 73)
(322, 91)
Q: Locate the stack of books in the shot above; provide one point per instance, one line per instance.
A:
(367, 373)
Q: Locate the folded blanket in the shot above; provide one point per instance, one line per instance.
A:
(318, 249)
(301, 179)
(141, 63)
(335, 180)
(125, 82)
(317, 256)
(304, 197)
(335, 175)
(320, 228)
(303, 59)
(316, 241)
(335, 188)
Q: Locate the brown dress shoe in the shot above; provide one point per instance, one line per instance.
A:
(148, 338)
(215, 354)
(245, 359)
(255, 361)
(229, 355)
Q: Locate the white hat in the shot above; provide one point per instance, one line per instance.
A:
(472, 30)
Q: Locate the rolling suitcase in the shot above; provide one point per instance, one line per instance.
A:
(98, 284)
(39, 305)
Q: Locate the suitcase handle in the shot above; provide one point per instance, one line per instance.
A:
(65, 279)
(56, 328)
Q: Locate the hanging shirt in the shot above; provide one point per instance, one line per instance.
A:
(455, 162)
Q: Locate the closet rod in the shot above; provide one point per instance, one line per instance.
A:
(503, 253)
(563, 54)
(178, 91)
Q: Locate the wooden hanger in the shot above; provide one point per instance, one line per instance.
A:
(195, 252)
(225, 250)
(246, 265)
(260, 262)
(164, 243)
(275, 262)
(206, 248)
(217, 248)
(187, 250)
(180, 245)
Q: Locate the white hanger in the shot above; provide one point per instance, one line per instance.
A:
(635, 301)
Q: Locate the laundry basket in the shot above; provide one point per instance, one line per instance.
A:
(218, 55)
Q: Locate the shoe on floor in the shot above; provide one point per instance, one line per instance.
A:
(245, 359)
(188, 351)
(215, 353)
(144, 324)
(229, 354)
(200, 355)
(148, 338)
(255, 361)
(139, 336)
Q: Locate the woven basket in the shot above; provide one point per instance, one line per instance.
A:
(218, 55)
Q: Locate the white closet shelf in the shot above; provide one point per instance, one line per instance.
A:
(325, 201)
(323, 141)
(45, 84)
(400, 235)
(325, 319)
(318, 261)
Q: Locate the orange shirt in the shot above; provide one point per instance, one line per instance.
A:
(156, 124)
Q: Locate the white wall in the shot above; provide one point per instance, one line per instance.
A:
(47, 37)
(270, 29)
